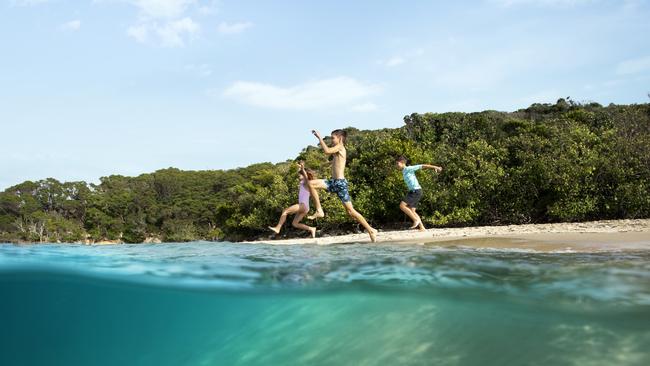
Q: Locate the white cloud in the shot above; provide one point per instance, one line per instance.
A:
(233, 28)
(402, 58)
(72, 25)
(333, 92)
(395, 61)
(169, 34)
(210, 8)
(172, 32)
(634, 66)
(162, 8)
(554, 3)
(28, 2)
(163, 22)
(139, 32)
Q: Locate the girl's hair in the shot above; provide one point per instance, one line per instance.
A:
(311, 174)
(401, 158)
(342, 134)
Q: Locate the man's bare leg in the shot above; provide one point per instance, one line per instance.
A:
(360, 219)
(313, 187)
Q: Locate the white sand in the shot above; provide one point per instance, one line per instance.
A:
(583, 236)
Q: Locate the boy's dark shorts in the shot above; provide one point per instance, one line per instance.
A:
(413, 197)
(340, 187)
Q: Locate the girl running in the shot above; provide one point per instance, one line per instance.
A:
(302, 207)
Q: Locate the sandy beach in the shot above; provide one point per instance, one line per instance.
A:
(606, 235)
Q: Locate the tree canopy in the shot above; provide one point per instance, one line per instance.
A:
(546, 163)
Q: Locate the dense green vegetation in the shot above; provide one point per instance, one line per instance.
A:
(546, 163)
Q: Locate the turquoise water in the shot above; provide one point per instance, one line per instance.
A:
(229, 304)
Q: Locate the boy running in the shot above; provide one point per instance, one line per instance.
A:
(338, 184)
(410, 201)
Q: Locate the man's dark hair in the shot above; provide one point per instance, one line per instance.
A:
(401, 158)
(341, 134)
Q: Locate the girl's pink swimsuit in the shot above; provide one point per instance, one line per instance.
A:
(303, 195)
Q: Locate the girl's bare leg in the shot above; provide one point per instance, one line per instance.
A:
(360, 219)
(313, 187)
(299, 216)
(287, 211)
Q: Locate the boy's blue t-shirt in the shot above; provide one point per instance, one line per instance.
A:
(409, 177)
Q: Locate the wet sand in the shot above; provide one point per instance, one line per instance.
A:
(608, 235)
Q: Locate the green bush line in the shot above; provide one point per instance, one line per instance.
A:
(546, 163)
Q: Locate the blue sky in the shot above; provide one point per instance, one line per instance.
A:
(90, 88)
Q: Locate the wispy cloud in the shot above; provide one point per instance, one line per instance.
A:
(333, 92)
(164, 22)
(394, 61)
(169, 34)
(233, 28)
(27, 2)
(634, 66)
(210, 8)
(138, 32)
(402, 58)
(71, 26)
(542, 3)
(172, 32)
(162, 8)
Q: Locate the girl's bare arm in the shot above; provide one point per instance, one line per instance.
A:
(303, 172)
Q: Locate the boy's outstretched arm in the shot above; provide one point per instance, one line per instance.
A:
(434, 167)
(326, 149)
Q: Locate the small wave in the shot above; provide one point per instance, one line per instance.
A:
(621, 278)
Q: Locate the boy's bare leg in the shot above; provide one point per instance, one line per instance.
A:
(421, 225)
(410, 213)
(313, 187)
(360, 219)
(296, 222)
(287, 211)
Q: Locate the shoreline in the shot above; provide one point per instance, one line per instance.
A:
(604, 235)
(591, 236)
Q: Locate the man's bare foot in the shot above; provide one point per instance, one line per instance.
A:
(318, 214)
(416, 224)
(312, 230)
(373, 235)
(274, 230)
(421, 227)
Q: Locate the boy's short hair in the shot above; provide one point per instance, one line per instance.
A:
(342, 134)
(401, 158)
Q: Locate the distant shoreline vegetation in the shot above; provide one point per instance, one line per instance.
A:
(546, 163)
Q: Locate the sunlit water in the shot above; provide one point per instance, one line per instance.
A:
(245, 304)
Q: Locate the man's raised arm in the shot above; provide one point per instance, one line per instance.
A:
(326, 149)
